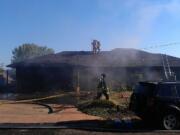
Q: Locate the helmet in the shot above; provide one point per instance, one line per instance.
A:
(103, 75)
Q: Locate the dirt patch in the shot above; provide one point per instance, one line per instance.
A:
(32, 113)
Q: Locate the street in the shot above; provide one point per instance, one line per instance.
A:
(79, 132)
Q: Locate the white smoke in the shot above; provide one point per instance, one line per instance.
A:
(143, 13)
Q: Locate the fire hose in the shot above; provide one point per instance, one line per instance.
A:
(31, 100)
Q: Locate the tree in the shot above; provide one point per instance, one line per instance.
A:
(28, 51)
(1, 68)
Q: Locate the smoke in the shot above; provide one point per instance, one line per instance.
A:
(125, 67)
(141, 18)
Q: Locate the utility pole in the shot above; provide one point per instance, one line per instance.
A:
(78, 76)
(78, 86)
(7, 77)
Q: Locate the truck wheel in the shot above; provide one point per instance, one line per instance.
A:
(170, 121)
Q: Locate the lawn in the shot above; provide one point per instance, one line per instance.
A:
(116, 107)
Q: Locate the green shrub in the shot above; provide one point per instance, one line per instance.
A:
(1, 71)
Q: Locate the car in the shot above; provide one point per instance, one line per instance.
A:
(157, 102)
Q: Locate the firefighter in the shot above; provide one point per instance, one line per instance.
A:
(96, 46)
(102, 88)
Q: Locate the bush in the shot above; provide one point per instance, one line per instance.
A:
(102, 112)
(102, 108)
(97, 104)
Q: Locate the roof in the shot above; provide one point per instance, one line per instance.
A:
(116, 58)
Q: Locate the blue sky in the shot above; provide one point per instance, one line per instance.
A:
(66, 25)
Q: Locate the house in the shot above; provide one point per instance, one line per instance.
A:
(2, 79)
(68, 70)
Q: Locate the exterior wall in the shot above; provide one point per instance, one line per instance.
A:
(68, 78)
(43, 79)
(117, 77)
(2, 81)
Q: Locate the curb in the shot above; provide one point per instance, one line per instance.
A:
(90, 129)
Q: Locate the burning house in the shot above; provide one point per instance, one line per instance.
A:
(68, 70)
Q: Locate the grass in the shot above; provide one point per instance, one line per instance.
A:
(121, 98)
(116, 107)
(102, 108)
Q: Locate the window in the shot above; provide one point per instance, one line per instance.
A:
(145, 89)
(167, 90)
(178, 90)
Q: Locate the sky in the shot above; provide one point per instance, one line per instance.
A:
(71, 25)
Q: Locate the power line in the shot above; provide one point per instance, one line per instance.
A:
(169, 75)
(161, 45)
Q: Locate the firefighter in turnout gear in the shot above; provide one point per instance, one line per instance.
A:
(96, 46)
(102, 88)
